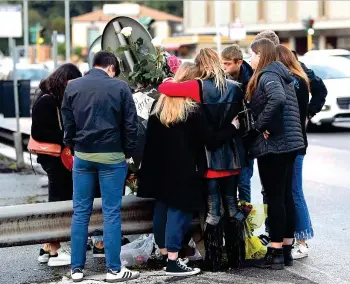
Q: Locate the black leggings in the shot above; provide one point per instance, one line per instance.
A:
(276, 173)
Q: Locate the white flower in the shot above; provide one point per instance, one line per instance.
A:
(157, 41)
(126, 31)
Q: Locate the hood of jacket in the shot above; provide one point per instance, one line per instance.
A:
(245, 73)
(279, 69)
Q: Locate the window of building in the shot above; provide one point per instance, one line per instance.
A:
(323, 8)
(292, 11)
(234, 10)
(210, 13)
(261, 10)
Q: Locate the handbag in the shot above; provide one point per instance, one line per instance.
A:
(246, 119)
(44, 148)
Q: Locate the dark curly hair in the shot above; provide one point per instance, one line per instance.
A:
(56, 83)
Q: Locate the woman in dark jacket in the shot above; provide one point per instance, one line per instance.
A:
(47, 127)
(279, 136)
(173, 166)
(303, 225)
(221, 101)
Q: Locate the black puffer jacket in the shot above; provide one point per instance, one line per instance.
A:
(276, 108)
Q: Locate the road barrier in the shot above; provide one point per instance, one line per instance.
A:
(47, 222)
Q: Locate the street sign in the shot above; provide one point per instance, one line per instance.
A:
(10, 21)
(237, 31)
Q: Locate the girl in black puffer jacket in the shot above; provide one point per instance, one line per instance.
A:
(278, 138)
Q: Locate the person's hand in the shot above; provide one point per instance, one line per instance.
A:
(129, 161)
(307, 122)
(266, 134)
(235, 122)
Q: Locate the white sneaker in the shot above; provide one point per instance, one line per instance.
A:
(300, 251)
(43, 256)
(123, 275)
(77, 275)
(63, 258)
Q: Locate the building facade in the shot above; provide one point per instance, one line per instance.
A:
(87, 27)
(332, 20)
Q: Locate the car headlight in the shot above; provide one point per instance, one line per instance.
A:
(326, 108)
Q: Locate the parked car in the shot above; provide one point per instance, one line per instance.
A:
(33, 72)
(335, 73)
(328, 52)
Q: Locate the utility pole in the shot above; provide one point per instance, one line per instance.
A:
(26, 34)
(17, 136)
(217, 25)
(67, 27)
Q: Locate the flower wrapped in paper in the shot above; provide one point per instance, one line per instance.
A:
(255, 217)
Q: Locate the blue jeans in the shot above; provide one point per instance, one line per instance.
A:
(111, 178)
(244, 182)
(222, 199)
(170, 225)
(303, 226)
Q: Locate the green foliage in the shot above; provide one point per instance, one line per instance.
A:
(61, 49)
(148, 68)
(78, 51)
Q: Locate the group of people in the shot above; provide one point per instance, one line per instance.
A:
(197, 157)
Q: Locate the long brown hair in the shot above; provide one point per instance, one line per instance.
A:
(267, 50)
(285, 56)
(172, 110)
(208, 62)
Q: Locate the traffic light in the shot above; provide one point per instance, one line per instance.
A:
(308, 26)
(41, 35)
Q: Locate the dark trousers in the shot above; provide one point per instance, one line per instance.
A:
(60, 179)
(276, 174)
(170, 225)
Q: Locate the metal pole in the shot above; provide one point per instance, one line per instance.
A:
(26, 35)
(67, 21)
(54, 49)
(17, 135)
(217, 24)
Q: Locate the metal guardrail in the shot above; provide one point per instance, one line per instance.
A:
(6, 137)
(45, 222)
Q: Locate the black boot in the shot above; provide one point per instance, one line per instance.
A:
(213, 242)
(273, 259)
(234, 242)
(287, 253)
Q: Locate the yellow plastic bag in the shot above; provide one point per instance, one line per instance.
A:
(254, 249)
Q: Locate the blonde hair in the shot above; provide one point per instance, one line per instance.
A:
(171, 110)
(208, 62)
(187, 71)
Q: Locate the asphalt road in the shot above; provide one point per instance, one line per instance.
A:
(327, 190)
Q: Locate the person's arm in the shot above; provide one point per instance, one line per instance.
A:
(69, 125)
(189, 89)
(213, 139)
(129, 123)
(45, 115)
(318, 92)
(276, 98)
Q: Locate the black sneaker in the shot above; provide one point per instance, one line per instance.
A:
(98, 252)
(273, 259)
(178, 268)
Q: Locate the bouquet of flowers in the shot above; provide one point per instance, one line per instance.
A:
(255, 217)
